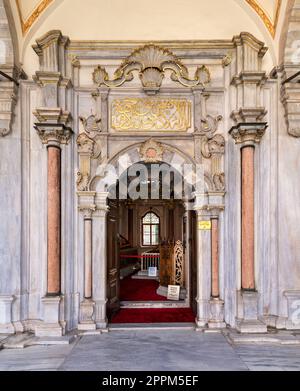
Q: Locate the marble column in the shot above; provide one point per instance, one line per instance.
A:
(53, 136)
(87, 257)
(248, 135)
(54, 228)
(247, 221)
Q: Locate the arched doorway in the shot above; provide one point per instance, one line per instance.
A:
(148, 213)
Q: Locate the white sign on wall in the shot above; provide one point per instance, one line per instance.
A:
(173, 292)
(152, 271)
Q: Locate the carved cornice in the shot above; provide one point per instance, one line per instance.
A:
(8, 100)
(250, 77)
(290, 98)
(8, 97)
(53, 116)
(249, 114)
(151, 61)
(248, 39)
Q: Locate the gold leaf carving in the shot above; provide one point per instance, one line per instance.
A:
(150, 114)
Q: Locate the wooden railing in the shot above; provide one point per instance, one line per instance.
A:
(150, 260)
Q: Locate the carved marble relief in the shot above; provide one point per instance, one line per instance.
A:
(89, 147)
(151, 62)
(212, 145)
(149, 114)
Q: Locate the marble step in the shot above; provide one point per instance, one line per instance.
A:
(151, 326)
(21, 341)
(153, 304)
(263, 339)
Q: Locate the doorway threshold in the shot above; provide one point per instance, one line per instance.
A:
(151, 326)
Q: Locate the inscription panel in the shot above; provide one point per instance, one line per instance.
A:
(151, 114)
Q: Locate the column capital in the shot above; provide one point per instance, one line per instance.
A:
(247, 133)
(54, 135)
(86, 202)
(53, 125)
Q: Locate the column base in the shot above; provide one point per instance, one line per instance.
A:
(293, 301)
(247, 320)
(6, 325)
(203, 311)
(216, 320)
(100, 314)
(51, 326)
(251, 326)
(87, 323)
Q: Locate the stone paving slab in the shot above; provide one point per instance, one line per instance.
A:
(263, 339)
(152, 350)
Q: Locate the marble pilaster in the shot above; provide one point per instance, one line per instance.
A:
(210, 310)
(100, 259)
(87, 305)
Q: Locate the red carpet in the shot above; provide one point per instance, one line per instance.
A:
(154, 315)
(139, 290)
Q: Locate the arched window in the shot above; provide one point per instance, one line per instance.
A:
(150, 229)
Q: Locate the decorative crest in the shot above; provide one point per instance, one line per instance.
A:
(152, 61)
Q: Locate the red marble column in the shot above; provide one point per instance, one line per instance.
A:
(248, 280)
(54, 223)
(88, 258)
(215, 288)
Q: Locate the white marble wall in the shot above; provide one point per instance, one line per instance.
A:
(23, 203)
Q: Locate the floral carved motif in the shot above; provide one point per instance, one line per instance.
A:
(151, 151)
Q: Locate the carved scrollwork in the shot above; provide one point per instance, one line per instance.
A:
(151, 62)
(209, 124)
(89, 147)
(213, 146)
(82, 181)
(91, 124)
(85, 144)
(89, 140)
(219, 181)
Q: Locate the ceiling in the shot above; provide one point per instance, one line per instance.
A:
(30, 11)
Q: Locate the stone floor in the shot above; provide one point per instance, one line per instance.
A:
(168, 350)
